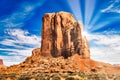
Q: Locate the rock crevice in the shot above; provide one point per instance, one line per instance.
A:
(62, 36)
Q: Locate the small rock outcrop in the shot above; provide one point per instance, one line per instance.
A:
(1, 62)
(62, 36)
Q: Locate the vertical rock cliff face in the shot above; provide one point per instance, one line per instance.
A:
(62, 36)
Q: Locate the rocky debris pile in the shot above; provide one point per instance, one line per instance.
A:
(62, 36)
(44, 64)
(37, 64)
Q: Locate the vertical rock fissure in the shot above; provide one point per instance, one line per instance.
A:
(63, 53)
(53, 35)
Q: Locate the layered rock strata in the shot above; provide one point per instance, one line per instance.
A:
(62, 36)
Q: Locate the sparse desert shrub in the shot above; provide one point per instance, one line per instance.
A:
(70, 78)
(23, 78)
(56, 77)
(73, 78)
(64, 75)
(40, 78)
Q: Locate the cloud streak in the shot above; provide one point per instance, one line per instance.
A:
(113, 7)
(22, 14)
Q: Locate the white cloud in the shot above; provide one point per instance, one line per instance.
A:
(105, 47)
(113, 6)
(22, 37)
(10, 60)
(19, 39)
(18, 43)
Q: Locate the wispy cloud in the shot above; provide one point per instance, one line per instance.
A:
(105, 47)
(22, 43)
(21, 37)
(22, 14)
(16, 44)
(113, 6)
(17, 18)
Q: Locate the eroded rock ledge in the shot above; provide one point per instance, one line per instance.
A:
(62, 36)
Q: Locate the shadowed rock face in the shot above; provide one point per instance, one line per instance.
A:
(62, 36)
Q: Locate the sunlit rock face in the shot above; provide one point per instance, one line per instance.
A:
(62, 36)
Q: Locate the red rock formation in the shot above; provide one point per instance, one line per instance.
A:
(1, 62)
(62, 36)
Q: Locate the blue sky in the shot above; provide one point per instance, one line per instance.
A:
(21, 23)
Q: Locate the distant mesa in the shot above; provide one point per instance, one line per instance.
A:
(1, 62)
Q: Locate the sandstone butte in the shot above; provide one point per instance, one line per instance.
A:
(62, 36)
(63, 49)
